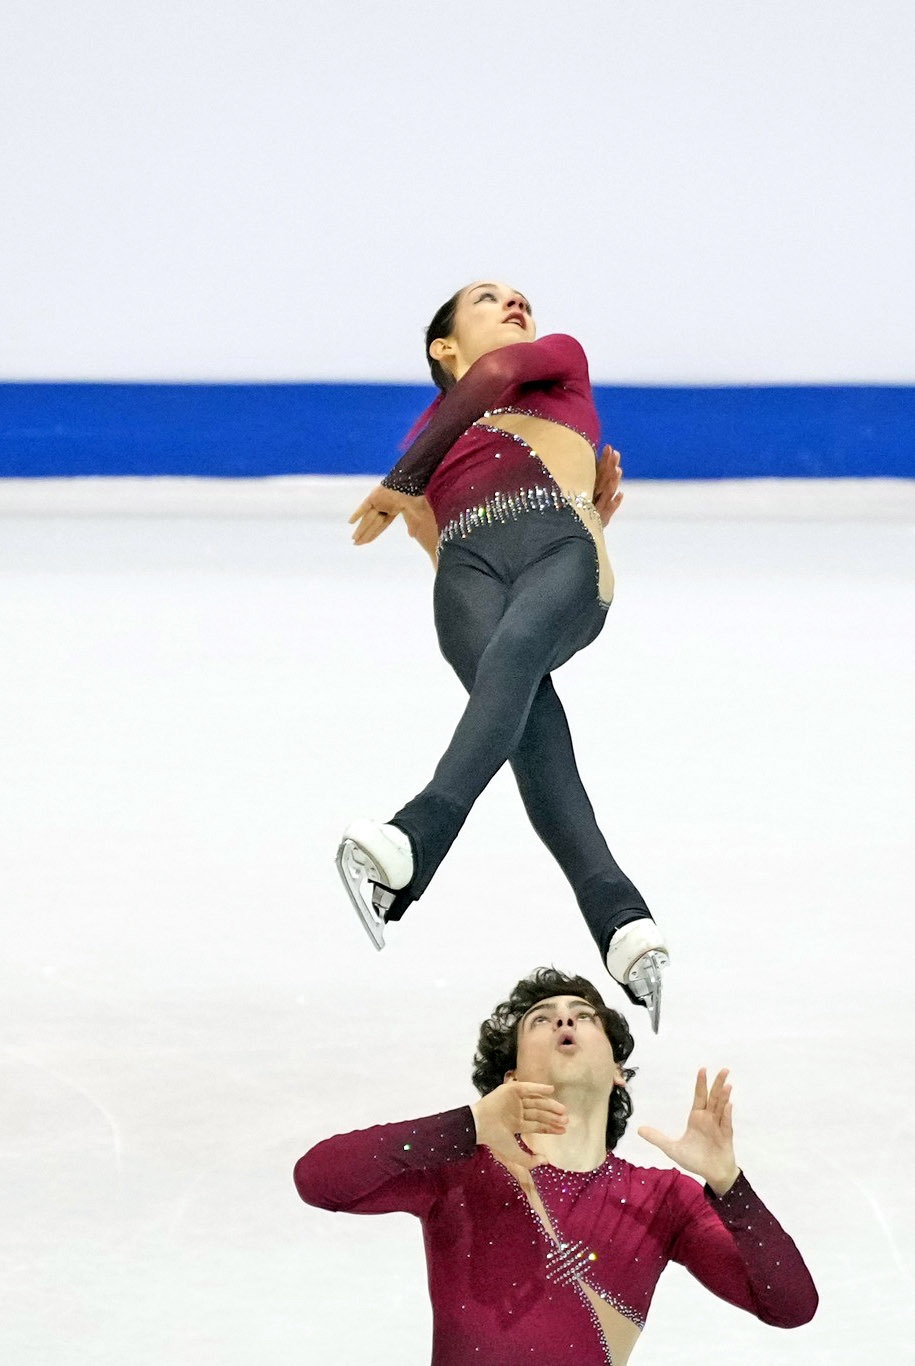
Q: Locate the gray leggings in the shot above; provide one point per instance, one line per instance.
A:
(512, 603)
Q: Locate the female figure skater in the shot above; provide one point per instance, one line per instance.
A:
(505, 458)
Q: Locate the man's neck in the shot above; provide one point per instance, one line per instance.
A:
(584, 1144)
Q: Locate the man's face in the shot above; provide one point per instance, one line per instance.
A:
(561, 1042)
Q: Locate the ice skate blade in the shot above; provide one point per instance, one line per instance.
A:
(370, 900)
(644, 981)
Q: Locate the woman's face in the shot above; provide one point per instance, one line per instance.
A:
(488, 315)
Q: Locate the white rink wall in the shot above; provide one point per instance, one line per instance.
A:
(712, 192)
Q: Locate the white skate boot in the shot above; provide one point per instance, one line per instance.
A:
(375, 862)
(636, 958)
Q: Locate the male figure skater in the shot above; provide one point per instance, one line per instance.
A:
(542, 1246)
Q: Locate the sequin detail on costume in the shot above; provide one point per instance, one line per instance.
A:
(575, 1260)
(616, 1303)
(595, 1321)
(566, 1262)
(530, 412)
(501, 507)
(508, 507)
(498, 507)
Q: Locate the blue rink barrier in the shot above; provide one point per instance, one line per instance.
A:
(251, 430)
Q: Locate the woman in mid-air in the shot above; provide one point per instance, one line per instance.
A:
(506, 460)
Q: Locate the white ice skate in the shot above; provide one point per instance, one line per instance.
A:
(636, 958)
(375, 862)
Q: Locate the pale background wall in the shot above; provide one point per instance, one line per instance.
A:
(256, 189)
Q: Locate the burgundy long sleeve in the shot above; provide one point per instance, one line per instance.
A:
(494, 380)
(738, 1249)
(486, 1249)
(389, 1167)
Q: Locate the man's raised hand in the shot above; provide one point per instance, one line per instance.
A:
(517, 1107)
(420, 520)
(607, 492)
(707, 1146)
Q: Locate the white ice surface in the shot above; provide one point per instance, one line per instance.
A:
(191, 706)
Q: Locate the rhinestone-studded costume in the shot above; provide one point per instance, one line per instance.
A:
(514, 600)
(474, 475)
(502, 1291)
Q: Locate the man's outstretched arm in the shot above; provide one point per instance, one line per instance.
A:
(385, 1168)
(395, 1166)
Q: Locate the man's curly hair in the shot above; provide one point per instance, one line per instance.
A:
(497, 1049)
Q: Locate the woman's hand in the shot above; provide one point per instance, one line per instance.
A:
(517, 1107)
(607, 493)
(707, 1147)
(376, 513)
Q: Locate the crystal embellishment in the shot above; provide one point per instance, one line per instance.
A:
(508, 507)
(566, 1262)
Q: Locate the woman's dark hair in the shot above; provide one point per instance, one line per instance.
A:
(442, 325)
(497, 1050)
